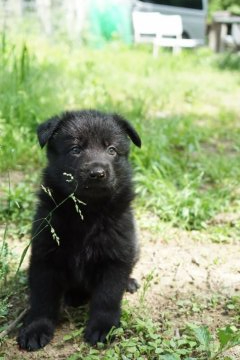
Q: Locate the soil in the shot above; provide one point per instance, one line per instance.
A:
(183, 277)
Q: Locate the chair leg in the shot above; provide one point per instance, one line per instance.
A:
(156, 44)
(155, 49)
(176, 50)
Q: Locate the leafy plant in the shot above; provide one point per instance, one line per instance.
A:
(227, 338)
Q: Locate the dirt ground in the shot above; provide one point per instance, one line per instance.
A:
(180, 272)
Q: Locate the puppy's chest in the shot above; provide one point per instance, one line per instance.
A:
(92, 246)
(87, 262)
(93, 250)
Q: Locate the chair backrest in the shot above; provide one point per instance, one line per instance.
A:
(153, 23)
(145, 23)
(171, 25)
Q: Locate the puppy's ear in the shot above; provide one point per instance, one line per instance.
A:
(129, 129)
(46, 130)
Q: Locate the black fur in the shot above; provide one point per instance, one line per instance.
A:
(89, 259)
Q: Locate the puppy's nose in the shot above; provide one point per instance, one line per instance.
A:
(97, 173)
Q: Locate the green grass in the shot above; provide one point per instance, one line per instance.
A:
(139, 338)
(186, 109)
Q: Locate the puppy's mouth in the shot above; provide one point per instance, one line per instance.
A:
(97, 189)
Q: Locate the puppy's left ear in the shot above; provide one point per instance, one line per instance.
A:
(46, 130)
(129, 129)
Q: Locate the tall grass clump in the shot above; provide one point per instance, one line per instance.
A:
(23, 92)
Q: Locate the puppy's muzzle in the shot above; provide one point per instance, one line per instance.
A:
(98, 172)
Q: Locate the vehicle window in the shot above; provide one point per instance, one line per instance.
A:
(190, 4)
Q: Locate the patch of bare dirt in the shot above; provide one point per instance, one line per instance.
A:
(11, 178)
(225, 218)
(186, 265)
(234, 353)
(185, 269)
(181, 272)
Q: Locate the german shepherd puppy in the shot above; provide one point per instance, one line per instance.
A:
(84, 245)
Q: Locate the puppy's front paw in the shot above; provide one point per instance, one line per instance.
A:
(93, 336)
(97, 331)
(36, 335)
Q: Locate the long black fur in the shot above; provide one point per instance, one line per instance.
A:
(87, 259)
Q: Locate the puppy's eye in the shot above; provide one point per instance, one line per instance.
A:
(75, 150)
(111, 150)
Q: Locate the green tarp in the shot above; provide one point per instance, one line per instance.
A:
(108, 20)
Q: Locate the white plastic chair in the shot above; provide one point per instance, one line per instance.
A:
(161, 30)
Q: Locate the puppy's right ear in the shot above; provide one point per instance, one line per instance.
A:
(46, 130)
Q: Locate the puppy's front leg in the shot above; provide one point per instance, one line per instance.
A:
(45, 296)
(105, 306)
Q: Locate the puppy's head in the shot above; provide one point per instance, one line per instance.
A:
(88, 152)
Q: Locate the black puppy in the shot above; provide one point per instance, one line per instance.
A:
(84, 246)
